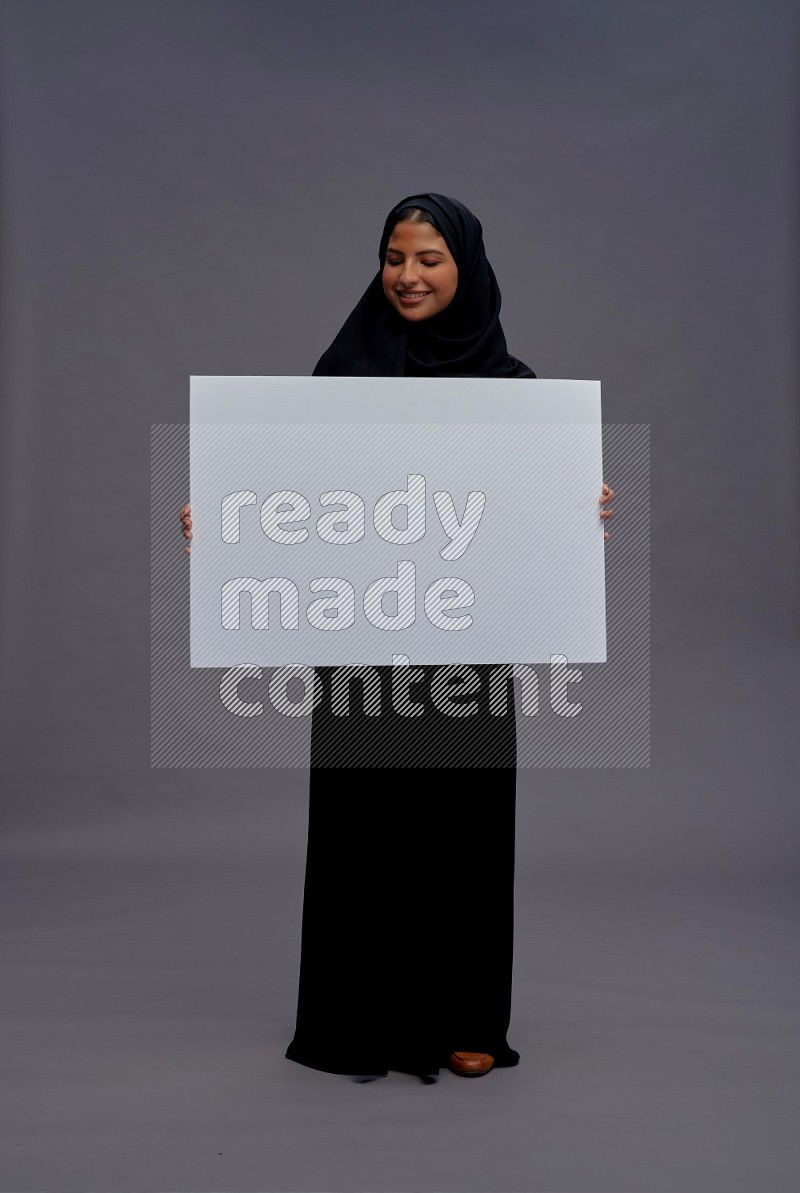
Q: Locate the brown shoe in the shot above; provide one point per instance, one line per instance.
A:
(470, 1064)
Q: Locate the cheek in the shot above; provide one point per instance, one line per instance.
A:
(454, 282)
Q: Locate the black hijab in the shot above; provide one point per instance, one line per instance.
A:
(463, 340)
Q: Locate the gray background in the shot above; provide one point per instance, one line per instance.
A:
(199, 188)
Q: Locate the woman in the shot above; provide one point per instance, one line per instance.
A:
(407, 937)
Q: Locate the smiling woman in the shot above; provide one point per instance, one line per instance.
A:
(420, 275)
(431, 252)
(407, 934)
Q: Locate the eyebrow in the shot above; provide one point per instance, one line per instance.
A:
(421, 253)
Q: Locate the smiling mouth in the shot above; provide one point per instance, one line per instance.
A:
(412, 295)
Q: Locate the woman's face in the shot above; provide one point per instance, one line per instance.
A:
(420, 275)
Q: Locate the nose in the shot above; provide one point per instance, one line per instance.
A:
(409, 275)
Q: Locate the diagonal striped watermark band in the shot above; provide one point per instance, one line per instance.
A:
(595, 715)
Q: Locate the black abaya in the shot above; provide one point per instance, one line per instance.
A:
(408, 910)
(407, 937)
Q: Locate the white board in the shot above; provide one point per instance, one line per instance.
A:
(513, 573)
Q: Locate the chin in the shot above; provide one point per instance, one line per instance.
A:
(413, 314)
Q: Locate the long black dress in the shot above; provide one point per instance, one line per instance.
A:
(407, 938)
(408, 912)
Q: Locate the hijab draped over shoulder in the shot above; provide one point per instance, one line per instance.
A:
(463, 340)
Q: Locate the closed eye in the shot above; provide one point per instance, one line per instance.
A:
(427, 264)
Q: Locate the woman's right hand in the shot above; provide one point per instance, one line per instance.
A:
(187, 525)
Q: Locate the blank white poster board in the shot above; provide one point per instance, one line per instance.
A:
(370, 521)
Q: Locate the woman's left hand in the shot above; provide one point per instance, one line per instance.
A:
(607, 495)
